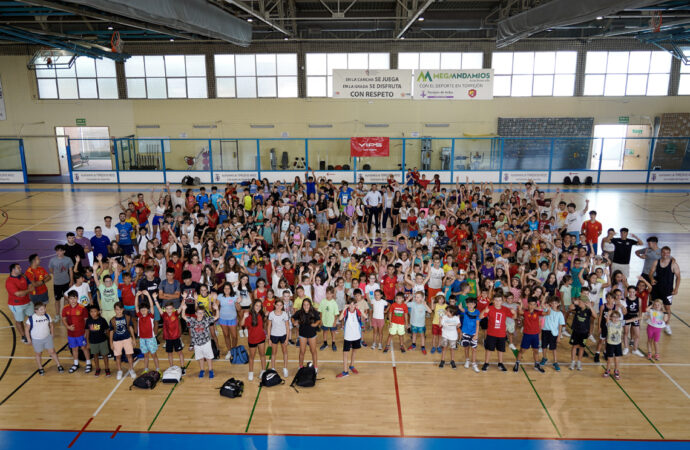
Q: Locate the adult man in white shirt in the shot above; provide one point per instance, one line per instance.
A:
(372, 201)
(109, 230)
(574, 219)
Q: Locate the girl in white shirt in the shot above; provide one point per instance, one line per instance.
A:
(279, 333)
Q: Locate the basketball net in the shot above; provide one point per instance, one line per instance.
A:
(655, 21)
(116, 43)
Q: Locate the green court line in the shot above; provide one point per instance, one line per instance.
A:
(256, 400)
(539, 397)
(631, 400)
(166, 400)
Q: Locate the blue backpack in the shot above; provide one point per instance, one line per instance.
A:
(238, 355)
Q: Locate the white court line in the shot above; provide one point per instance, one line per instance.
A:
(124, 377)
(674, 382)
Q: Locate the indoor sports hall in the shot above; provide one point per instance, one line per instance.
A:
(500, 187)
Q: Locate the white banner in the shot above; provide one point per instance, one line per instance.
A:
(141, 176)
(524, 177)
(337, 176)
(105, 176)
(378, 177)
(11, 177)
(234, 177)
(3, 112)
(477, 176)
(372, 84)
(670, 176)
(454, 84)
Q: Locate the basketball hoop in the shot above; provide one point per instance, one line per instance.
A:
(116, 43)
(655, 21)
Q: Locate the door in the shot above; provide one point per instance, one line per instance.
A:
(90, 148)
(637, 144)
(226, 157)
(609, 142)
(62, 150)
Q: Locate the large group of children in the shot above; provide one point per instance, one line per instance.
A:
(281, 263)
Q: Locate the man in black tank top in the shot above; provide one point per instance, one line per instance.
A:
(665, 276)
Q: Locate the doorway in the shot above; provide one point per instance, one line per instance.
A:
(90, 148)
(609, 142)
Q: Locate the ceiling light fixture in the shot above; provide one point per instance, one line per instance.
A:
(599, 17)
(421, 19)
(250, 20)
(172, 40)
(110, 28)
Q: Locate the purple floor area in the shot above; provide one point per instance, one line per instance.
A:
(17, 248)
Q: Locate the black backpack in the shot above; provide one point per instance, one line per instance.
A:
(567, 181)
(576, 180)
(147, 380)
(271, 378)
(232, 388)
(305, 377)
(588, 181)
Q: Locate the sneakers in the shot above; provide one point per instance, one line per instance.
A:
(441, 364)
(591, 338)
(119, 375)
(475, 368)
(649, 356)
(439, 349)
(579, 365)
(657, 357)
(107, 372)
(617, 375)
(373, 346)
(261, 374)
(626, 350)
(97, 372)
(184, 371)
(402, 349)
(596, 357)
(543, 361)
(385, 350)
(485, 367)
(41, 371)
(452, 364)
(637, 352)
(502, 367)
(380, 346)
(334, 347)
(539, 368)
(556, 367)
(512, 347)
(285, 372)
(74, 368)
(433, 349)
(201, 374)
(228, 356)
(668, 330)
(145, 370)
(605, 374)
(565, 333)
(323, 346)
(467, 364)
(132, 373)
(412, 347)
(24, 341)
(210, 374)
(343, 375)
(516, 367)
(87, 369)
(572, 365)
(364, 344)
(61, 369)
(250, 376)
(353, 370)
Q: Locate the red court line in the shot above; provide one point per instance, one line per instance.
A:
(526, 438)
(116, 430)
(397, 398)
(80, 432)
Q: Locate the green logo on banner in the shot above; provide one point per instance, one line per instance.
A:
(81, 122)
(424, 77)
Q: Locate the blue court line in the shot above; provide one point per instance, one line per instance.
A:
(143, 441)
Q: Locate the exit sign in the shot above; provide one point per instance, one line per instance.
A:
(81, 122)
(623, 119)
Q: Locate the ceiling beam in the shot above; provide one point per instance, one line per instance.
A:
(249, 10)
(414, 18)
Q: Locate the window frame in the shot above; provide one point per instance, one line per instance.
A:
(150, 80)
(555, 74)
(606, 89)
(55, 78)
(259, 79)
(328, 77)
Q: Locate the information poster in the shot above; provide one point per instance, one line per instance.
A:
(454, 84)
(372, 84)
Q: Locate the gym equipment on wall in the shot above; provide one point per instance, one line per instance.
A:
(274, 163)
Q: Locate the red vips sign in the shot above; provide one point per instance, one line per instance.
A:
(364, 147)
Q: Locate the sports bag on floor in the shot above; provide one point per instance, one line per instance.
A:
(147, 380)
(238, 355)
(232, 388)
(271, 378)
(305, 377)
(172, 374)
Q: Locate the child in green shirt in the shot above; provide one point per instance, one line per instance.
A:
(329, 311)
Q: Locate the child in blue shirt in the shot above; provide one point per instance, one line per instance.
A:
(470, 317)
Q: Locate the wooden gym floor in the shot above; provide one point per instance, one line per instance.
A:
(395, 395)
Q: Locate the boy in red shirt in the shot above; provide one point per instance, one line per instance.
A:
(127, 294)
(145, 327)
(74, 319)
(531, 332)
(172, 330)
(399, 317)
(592, 229)
(496, 330)
(175, 263)
(38, 276)
(389, 282)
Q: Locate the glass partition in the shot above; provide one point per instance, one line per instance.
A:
(526, 153)
(186, 154)
(392, 162)
(234, 154)
(91, 154)
(330, 154)
(283, 154)
(10, 156)
(571, 153)
(476, 154)
(142, 153)
(428, 153)
(671, 154)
